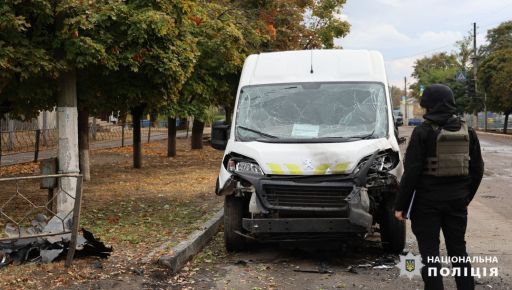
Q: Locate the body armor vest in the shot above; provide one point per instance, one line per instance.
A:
(452, 152)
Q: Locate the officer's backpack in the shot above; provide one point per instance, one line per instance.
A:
(452, 152)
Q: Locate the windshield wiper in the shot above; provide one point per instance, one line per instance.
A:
(257, 132)
(366, 136)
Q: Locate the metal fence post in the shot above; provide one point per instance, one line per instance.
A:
(122, 135)
(149, 130)
(0, 145)
(94, 128)
(10, 139)
(76, 222)
(36, 152)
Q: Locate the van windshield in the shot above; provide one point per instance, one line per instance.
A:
(313, 112)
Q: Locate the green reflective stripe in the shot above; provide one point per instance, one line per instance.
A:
(294, 169)
(275, 168)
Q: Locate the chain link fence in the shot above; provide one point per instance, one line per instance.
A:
(36, 140)
(29, 215)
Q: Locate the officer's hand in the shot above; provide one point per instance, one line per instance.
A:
(399, 215)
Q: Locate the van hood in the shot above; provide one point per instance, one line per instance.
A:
(308, 159)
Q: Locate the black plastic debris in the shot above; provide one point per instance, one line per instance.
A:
(45, 249)
(322, 269)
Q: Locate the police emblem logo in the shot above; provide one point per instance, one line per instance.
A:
(410, 265)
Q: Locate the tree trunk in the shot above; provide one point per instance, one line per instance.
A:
(137, 149)
(153, 118)
(83, 143)
(67, 116)
(171, 136)
(197, 134)
(505, 125)
(475, 119)
(229, 114)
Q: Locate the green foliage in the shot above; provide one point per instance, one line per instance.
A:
(178, 57)
(443, 68)
(299, 24)
(495, 72)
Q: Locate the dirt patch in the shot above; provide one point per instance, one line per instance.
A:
(134, 210)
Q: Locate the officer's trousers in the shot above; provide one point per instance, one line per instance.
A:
(428, 218)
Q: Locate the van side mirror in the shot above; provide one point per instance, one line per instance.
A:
(398, 123)
(220, 135)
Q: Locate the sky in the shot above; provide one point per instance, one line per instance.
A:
(405, 30)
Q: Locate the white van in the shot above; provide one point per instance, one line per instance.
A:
(312, 152)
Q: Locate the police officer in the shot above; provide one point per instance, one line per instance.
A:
(443, 166)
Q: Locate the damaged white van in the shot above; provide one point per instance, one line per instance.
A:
(312, 152)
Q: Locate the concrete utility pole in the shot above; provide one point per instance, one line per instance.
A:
(67, 116)
(485, 112)
(406, 117)
(475, 64)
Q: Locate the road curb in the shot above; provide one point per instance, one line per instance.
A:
(494, 134)
(195, 242)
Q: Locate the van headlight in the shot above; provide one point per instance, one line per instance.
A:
(244, 167)
(384, 161)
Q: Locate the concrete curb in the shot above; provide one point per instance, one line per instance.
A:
(195, 242)
(494, 134)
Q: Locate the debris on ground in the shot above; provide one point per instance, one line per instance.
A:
(322, 269)
(27, 244)
(385, 262)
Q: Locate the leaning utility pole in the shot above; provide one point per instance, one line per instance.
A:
(475, 64)
(406, 118)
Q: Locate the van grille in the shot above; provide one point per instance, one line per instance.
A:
(305, 197)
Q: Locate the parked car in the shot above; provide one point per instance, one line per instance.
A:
(312, 151)
(415, 122)
(399, 120)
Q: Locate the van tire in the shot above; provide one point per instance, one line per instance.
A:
(392, 232)
(234, 209)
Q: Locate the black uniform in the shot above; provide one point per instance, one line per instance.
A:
(440, 202)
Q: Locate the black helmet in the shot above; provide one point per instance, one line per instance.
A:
(436, 94)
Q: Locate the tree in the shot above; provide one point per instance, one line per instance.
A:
(151, 55)
(495, 72)
(396, 95)
(299, 24)
(443, 68)
(226, 35)
(41, 51)
(26, 60)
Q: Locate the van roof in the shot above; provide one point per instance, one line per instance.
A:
(326, 65)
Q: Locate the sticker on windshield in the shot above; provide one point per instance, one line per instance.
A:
(305, 131)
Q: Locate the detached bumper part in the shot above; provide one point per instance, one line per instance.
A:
(359, 205)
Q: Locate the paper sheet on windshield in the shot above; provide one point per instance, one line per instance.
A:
(305, 131)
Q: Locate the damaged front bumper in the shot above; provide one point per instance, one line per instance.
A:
(302, 204)
(313, 204)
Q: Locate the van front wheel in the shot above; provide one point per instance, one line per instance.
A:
(392, 232)
(234, 209)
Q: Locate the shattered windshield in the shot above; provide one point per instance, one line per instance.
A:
(310, 111)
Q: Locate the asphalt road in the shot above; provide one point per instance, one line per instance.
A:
(278, 266)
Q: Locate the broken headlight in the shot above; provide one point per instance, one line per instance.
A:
(384, 161)
(239, 166)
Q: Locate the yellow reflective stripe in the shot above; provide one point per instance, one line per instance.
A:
(341, 167)
(320, 169)
(275, 168)
(294, 169)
